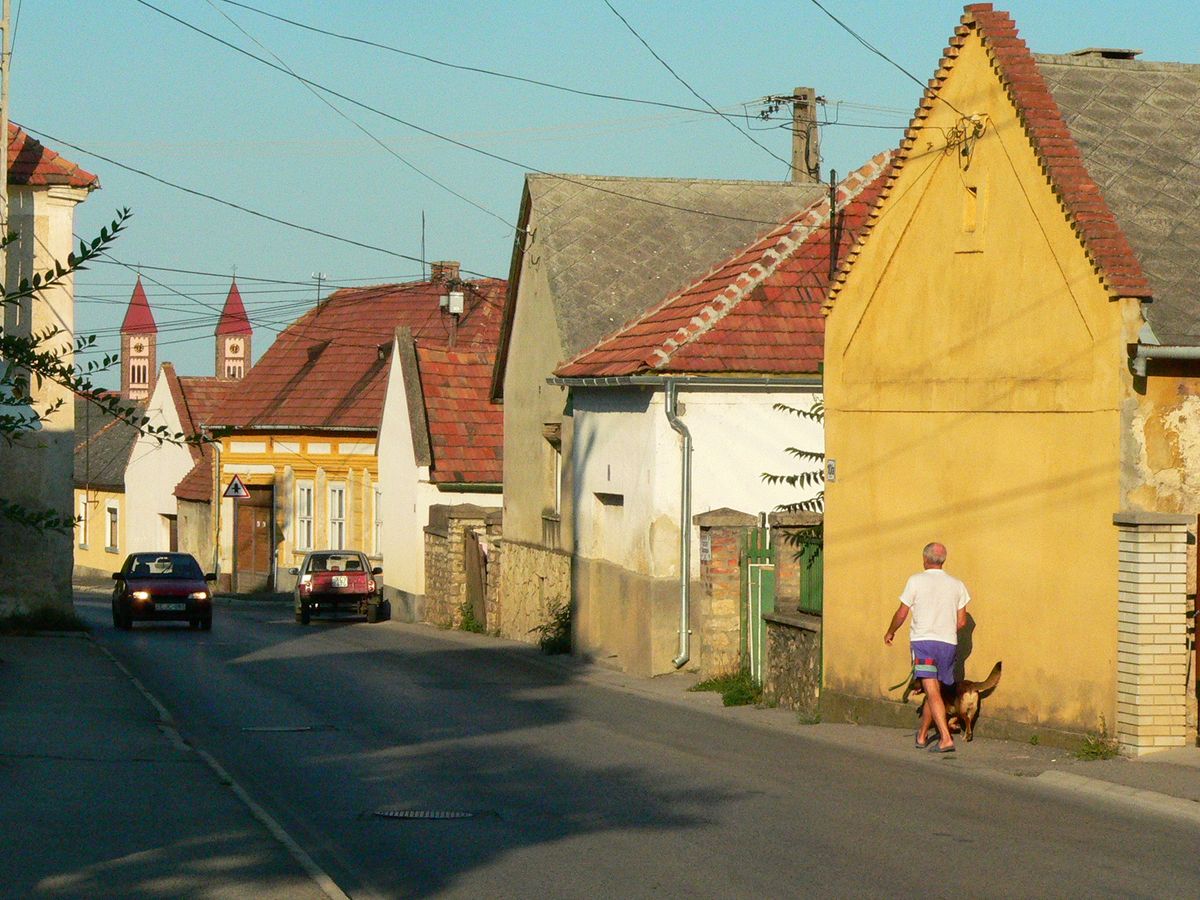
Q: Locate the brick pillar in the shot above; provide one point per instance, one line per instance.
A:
(1152, 649)
(721, 532)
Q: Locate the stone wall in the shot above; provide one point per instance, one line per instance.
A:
(787, 568)
(533, 580)
(1154, 678)
(720, 596)
(793, 676)
(445, 568)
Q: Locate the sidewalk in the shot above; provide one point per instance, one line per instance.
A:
(103, 799)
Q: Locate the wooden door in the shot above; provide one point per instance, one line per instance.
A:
(253, 542)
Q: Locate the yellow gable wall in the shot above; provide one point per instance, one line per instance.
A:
(93, 554)
(972, 390)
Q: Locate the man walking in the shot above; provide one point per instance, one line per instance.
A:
(938, 603)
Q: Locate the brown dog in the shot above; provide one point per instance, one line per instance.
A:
(962, 700)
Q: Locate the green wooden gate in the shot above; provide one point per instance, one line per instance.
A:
(758, 597)
(811, 559)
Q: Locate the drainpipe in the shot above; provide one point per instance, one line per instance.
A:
(685, 523)
(1145, 352)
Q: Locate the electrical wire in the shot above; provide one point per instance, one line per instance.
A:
(693, 91)
(360, 126)
(457, 143)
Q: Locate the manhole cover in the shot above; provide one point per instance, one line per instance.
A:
(271, 729)
(425, 814)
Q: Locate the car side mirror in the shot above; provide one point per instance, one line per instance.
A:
(378, 570)
(210, 576)
(293, 571)
(116, 576)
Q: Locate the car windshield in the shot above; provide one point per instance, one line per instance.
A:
(335, 562)
(163, 565)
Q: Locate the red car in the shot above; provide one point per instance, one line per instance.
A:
(162, 587)
(330, 581)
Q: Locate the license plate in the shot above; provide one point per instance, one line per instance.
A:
(341, 580)
(171, 607)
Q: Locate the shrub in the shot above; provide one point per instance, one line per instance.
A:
(736, 688)
(554, 635)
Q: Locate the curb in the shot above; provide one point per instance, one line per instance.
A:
(1109, 792)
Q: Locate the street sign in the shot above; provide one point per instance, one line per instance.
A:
(237, 489)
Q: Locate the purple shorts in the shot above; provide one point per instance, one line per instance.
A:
(934, 659)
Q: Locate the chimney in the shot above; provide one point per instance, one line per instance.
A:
(806, 136)
(1107, 53)
(444, 270)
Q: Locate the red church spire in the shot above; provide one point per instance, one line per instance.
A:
(233, 317)
(138, 317)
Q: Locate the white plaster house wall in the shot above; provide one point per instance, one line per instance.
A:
(408, 494)
(625, 447)
(38, 571)
(153, 472)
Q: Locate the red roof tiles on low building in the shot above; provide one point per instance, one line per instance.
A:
(329, 368)
(759, 312)
(466, 430)
(29, 163)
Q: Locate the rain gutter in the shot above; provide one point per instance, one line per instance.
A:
(1145, 352)
(671, 385)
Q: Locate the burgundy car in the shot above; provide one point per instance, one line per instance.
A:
(162, 586)
(330, 581)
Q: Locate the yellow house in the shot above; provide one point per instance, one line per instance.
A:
(980, 392)
(300, 431)
(102, 450)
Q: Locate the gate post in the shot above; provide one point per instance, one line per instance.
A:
(721, 537)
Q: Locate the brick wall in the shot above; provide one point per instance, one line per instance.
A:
(445, 569)
(721, 535)
(1152, 649)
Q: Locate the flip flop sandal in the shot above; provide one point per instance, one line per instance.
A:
(936, 749)
(924, 745)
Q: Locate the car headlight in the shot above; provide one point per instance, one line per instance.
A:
(141, 595)
(198, 595)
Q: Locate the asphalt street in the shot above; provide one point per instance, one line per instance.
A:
(409, 761)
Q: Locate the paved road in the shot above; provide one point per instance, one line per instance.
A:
(582, 790)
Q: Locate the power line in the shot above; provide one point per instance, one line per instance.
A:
(475, 69)
(858, 37)
(486, 153)
(360, 127)
(693, 91)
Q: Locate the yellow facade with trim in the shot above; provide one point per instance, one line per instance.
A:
(975, 366)
(99, 531)
(290, 465)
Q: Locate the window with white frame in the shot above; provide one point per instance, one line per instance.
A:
(83, 523)
(304, 516)
(378, 505)
(112, 532)
(337, 516)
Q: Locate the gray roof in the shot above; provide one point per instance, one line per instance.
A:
(1138, 127)
(102, 446)
(612, 247)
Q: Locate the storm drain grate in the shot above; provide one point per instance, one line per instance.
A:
(285, 729)
(425, 814)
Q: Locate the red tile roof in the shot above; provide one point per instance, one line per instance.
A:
(329, 368)
(138, 317)
(758, 312)
(197, 485)
(1079, 195)
(233, 316)
(32, 164)
(466, 430)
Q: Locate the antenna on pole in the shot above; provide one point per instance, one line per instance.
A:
(424, 271)
(318, 277)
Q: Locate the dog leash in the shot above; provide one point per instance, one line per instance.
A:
(907, 678)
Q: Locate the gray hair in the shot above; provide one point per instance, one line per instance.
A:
(934, 553)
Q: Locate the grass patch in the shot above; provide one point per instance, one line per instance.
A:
(808, 718)
(735, 688)
(467, 620)
(1099, 745)
(554, 635)
(41, 618)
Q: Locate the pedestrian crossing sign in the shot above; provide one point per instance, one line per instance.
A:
(237, 489)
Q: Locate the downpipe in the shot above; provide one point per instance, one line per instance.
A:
(685, 524)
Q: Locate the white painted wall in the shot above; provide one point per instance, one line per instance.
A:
(407, 492)
(624, 446)
(153, 472)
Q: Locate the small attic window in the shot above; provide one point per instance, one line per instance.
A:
(1107, 53)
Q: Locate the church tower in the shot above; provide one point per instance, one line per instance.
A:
(139, 353)
(233, 337)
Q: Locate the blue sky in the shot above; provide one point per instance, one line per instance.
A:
(116, 78)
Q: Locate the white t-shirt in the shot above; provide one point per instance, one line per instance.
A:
(934, 598)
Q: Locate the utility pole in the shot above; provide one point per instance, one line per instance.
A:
(5, 59)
